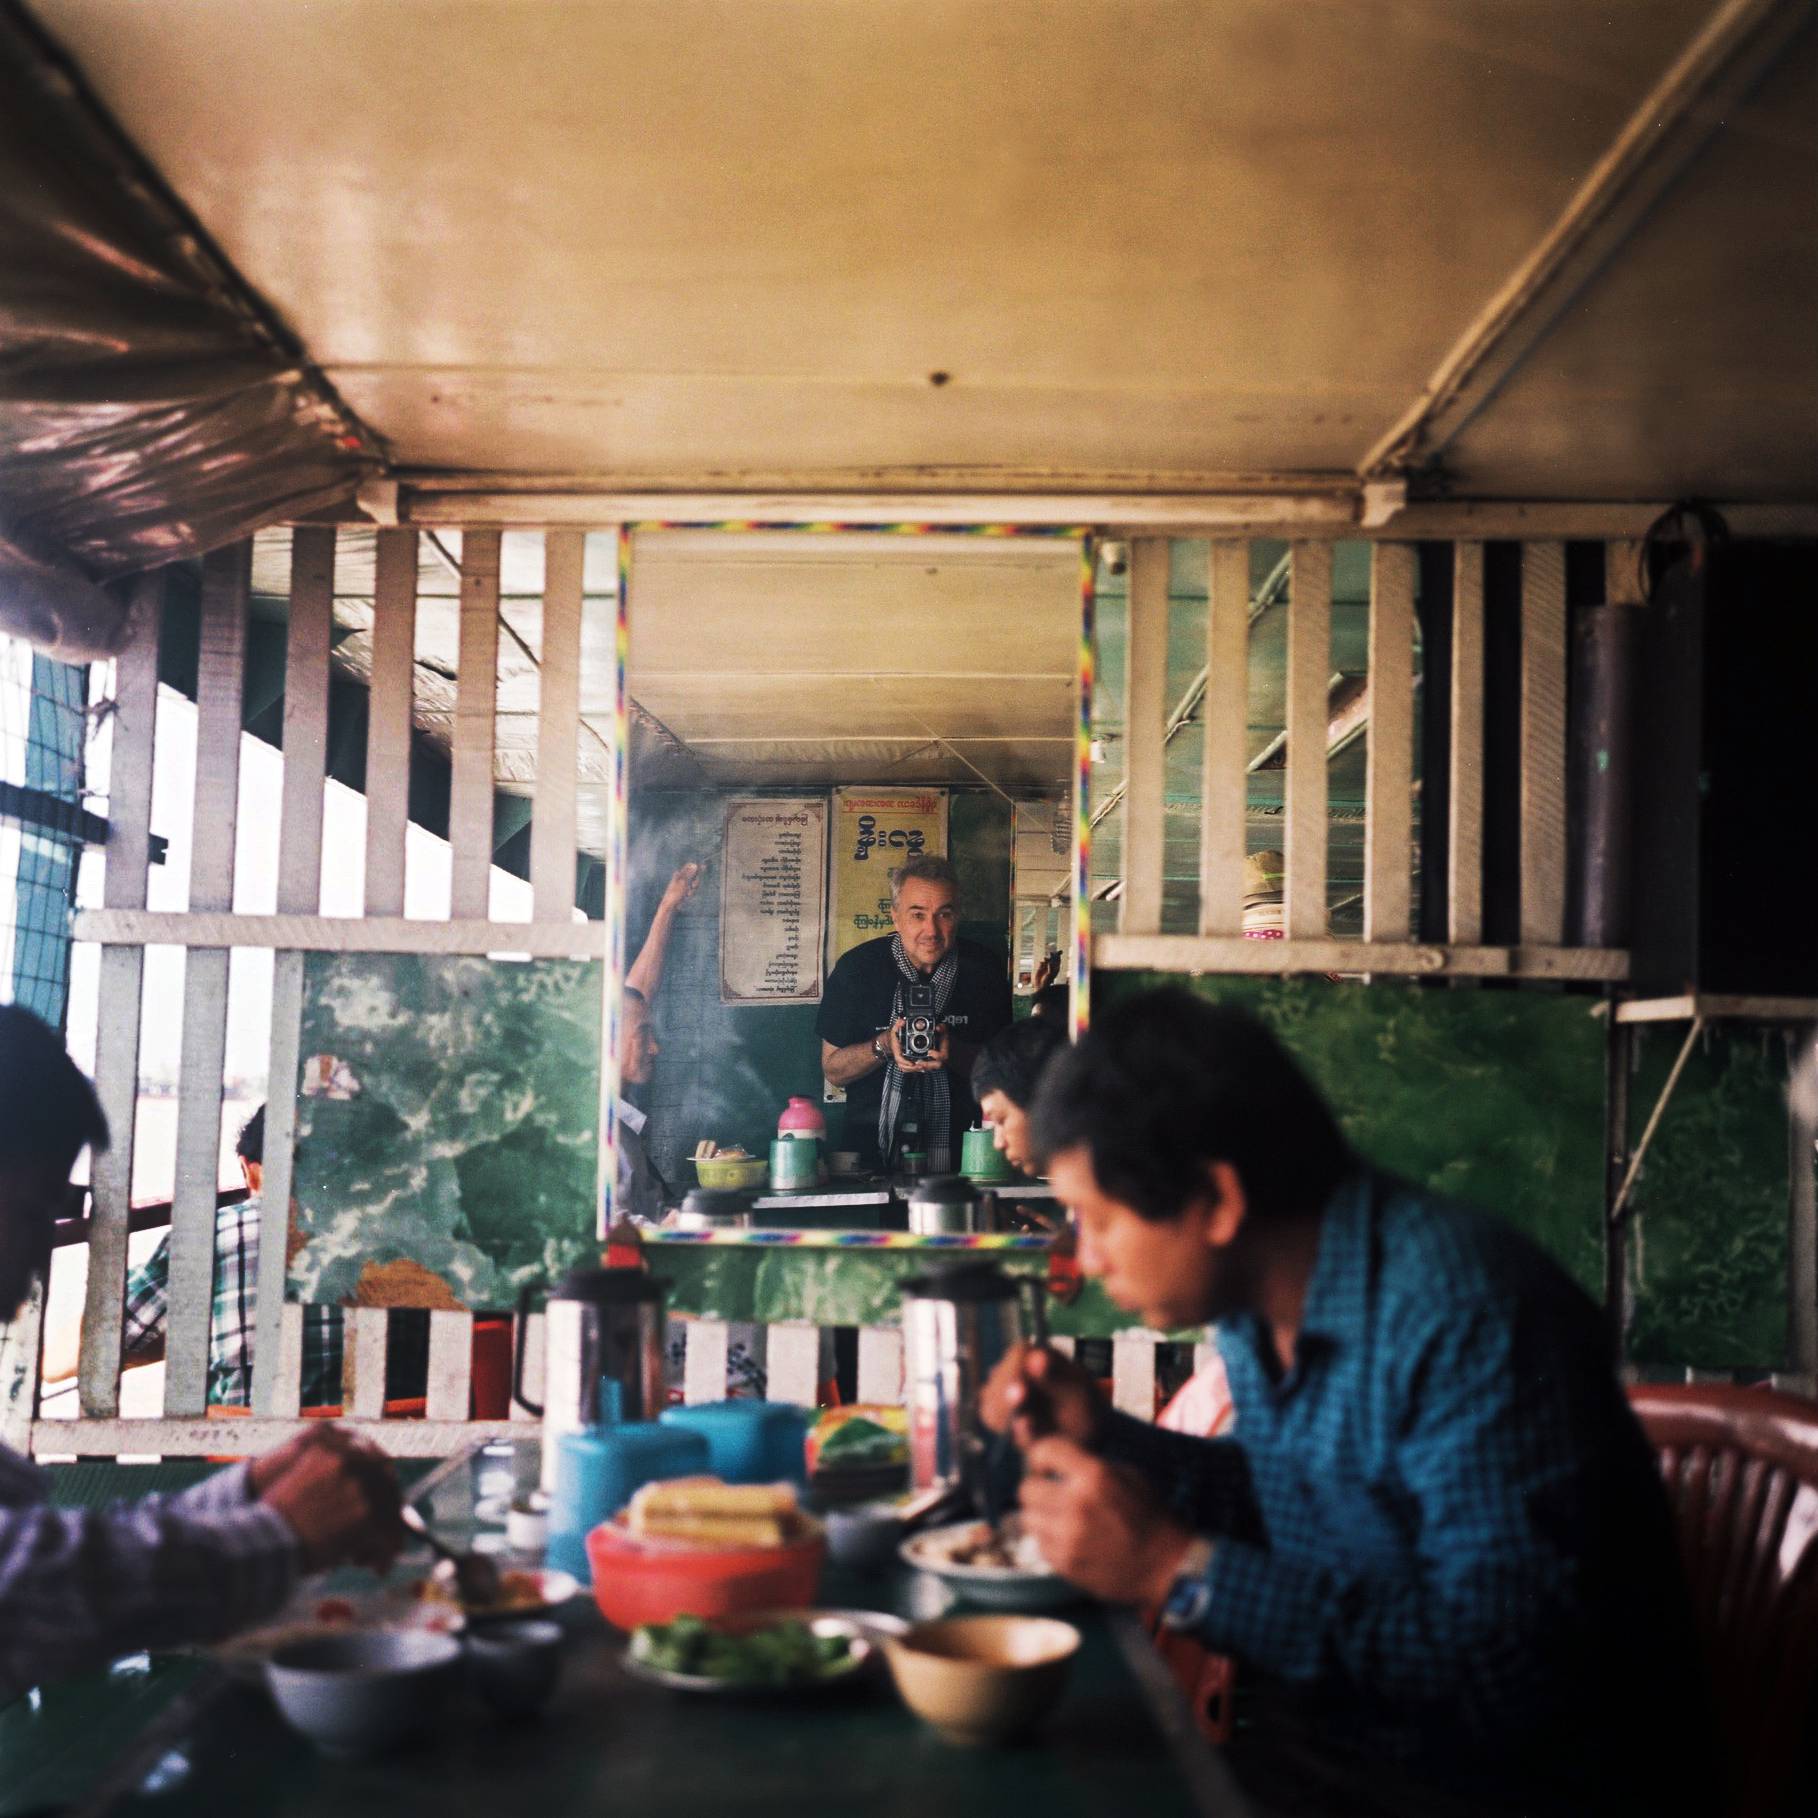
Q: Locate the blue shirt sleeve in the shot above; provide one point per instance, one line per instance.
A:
(1498, 1473)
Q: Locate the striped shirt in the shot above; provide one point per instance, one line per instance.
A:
(80, 1586)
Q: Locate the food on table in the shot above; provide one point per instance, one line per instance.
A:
(1005, 1548)
(864, 1435)
(781, 1653)
(712, 1513)
(517, 1591)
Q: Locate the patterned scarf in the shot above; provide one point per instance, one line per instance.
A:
(927, 1093)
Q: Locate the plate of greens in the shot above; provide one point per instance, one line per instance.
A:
(788, 1652)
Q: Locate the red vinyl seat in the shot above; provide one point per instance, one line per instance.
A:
(1741, 1471)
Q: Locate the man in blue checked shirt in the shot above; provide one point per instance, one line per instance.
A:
(78, 1586)
(1436, 1542)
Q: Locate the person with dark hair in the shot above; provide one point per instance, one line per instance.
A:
(233, 1325)
(78, 1586)
(924, 972)
(1437, 1535)
(1004, 1077)
(1051, 1003)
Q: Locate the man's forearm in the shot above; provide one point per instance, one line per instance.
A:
(646, 972)
(844, 1065)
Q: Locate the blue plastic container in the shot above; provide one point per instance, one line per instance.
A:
(600, 1469)
(748, 1441)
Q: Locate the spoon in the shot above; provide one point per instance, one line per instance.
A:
(476, 1577)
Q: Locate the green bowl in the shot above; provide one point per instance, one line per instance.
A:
(736, 1175)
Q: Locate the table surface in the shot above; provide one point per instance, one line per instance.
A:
(1120, 1741)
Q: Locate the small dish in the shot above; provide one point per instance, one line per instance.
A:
(516, 1664)
(528, 1591)
(990, 1587)
(863, 1631)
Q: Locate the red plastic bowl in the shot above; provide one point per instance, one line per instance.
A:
(638, 1581)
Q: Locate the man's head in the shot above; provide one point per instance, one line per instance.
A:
(48, 1111)
(250, 1147)
(638, 1046)
(924, 908)
(1052, 1001)
(1183, 1137)
(1004, 1078)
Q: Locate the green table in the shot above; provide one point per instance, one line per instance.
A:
(1120, 1742)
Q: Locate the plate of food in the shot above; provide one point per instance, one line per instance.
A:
(771, 1653)
(997, 1568)
(315, 1613)
(523, 1591)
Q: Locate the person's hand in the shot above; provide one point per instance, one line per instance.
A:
(1035, 1391)
(1099, 1526)
(339, 1496)
(941, 1054)
(1048, 971)
(683, 885)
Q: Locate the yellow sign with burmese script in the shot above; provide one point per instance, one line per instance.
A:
(874, 830)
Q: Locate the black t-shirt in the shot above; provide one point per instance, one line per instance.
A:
(856, 1004)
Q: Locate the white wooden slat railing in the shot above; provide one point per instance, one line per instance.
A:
(1308, 689)
(312, 582)
(1226, 713)
(212, 926)
(226, 586)
(1464, 892)
(124, 882)
(1389, 944)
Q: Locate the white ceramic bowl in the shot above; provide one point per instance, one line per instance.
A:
(365, 1692)
(987, 1587)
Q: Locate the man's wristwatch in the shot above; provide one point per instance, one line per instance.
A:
(878, 1044)
(1190, 1597)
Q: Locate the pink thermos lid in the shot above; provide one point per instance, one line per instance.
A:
(802, 1114)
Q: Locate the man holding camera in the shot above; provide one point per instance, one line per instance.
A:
(902, 1020)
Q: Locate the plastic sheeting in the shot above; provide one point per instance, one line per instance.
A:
(148, 410)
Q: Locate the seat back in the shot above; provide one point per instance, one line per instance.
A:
(1741, 1472)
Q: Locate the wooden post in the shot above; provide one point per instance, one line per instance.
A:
(1389, 780)
(226, 580)
(1308, 684)
(1226, 713)
(1145, 718)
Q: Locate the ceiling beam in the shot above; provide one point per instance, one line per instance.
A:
(1699, 92)
(1315, 516)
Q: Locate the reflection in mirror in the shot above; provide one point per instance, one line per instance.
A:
(808, 711)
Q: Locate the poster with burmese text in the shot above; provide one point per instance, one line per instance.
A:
(874, 830)
(772, 900)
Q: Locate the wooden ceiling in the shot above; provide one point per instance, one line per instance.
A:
(930, 244)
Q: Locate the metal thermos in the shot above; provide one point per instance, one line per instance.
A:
(957, 1323)
(948, 1205)
(603, 1354)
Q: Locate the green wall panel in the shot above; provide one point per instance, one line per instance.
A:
(1707, 1254)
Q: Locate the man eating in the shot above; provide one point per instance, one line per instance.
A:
(1437, 1540)
(78, 1586)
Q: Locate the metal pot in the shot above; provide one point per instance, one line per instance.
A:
(947, 1205)
(713, 1209)
(958, 1323)
(603, 1354)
